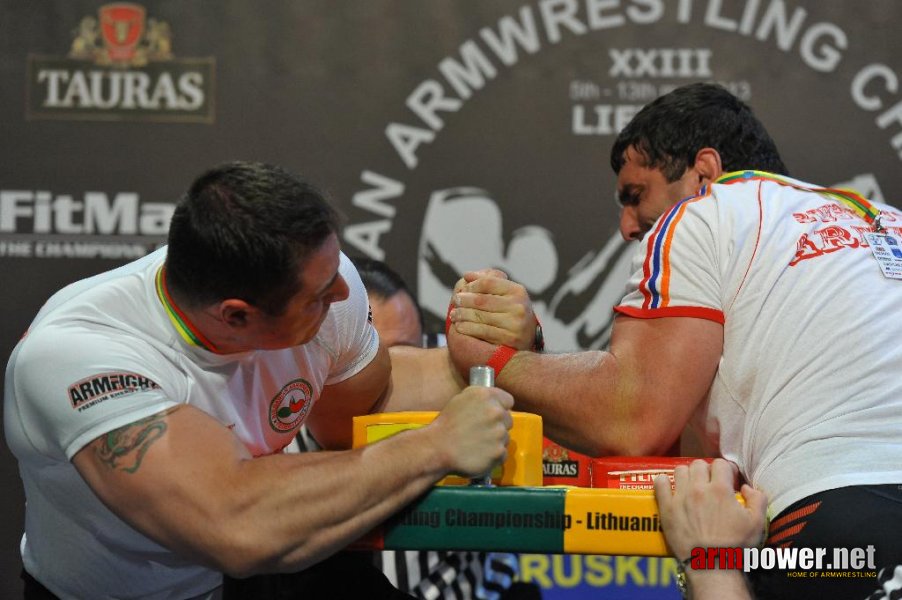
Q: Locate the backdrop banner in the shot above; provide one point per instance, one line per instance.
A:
(452, 134)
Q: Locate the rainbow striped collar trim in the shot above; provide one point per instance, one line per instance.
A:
(182, 324)
(851, 199)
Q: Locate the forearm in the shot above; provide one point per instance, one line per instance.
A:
(349, 493)
(587, 402)
(195, 490)
(592, 402)
(327, 500)
(633, 400)
(421, 380)
(187, 482)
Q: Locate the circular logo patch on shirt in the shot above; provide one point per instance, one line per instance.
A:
(288, 409)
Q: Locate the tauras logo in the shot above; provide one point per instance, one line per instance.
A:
(566, 468)
(97, 388)
(125, 90)
(120, 66)
(556, 462)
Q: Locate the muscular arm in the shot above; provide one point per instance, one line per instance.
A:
(406, 378)
(398, 379)
(186, 481)
(633, 400)
(425, 379)
(421, 379)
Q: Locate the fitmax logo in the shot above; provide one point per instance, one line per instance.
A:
(26, 211)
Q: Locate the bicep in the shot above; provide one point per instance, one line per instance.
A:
(361, 394)
(163, 474)
(667, 365)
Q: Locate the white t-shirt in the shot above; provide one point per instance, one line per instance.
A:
(808, 393)
(103, 353)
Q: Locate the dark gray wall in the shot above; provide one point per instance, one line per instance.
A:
(320, 86)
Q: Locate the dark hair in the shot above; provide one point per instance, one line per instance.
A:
(670, 131)
(381, 281)
(242, 231)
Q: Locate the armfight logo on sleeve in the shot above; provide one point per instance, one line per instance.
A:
(97, 388)
(120, 66)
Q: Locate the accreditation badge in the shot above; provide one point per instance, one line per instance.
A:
(887, 249)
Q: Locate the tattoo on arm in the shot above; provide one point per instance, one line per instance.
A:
(124, 448)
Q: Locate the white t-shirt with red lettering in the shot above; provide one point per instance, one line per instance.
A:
(808, 393)
(104, 352)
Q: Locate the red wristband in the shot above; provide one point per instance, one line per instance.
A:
(500, 358)
(448, 318)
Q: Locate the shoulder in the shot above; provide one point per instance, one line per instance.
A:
(105, 292)
(59, 356)
(347, 320)
(686, 215)
(356, 302)
(351, 276)
(69, 386)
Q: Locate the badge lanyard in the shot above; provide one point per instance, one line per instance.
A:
(886, 247)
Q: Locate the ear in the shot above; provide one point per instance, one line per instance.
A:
(236, 313)
(708, 166)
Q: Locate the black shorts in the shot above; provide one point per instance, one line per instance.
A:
(849, 517)
(34, 590)
(343, 576)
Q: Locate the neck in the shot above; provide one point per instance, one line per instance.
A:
(195, 326)
(219, 338)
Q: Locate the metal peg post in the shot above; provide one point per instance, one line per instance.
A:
(482, 376)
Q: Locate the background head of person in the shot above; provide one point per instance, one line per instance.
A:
(396, 315)
(253, 255)
(681, 141)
